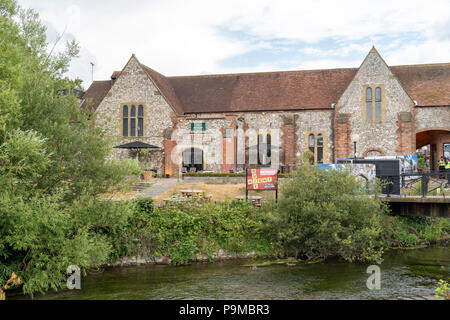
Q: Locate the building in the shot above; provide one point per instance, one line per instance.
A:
(212, 122)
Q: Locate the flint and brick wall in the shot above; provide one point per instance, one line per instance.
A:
(395, 133)
(134, 86)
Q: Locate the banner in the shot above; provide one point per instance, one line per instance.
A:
(262, 179)
(366, 171)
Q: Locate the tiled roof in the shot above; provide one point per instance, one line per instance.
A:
(289, 90)
(95, 94)
(428, 84)
(115, 74)
(166, 89)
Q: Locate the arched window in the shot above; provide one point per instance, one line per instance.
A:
(125, 121)
(377, 103)
(319, 148)
(133, 121)
(140, 121)
(369, 104)
(312, 146)
(374, 104)
(260, 148)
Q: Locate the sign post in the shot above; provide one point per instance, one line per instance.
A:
(261, 179)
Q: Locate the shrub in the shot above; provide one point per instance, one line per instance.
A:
(327, 214)
(181, 233)
(399, 231)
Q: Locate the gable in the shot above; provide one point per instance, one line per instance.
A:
(374, 72)
(134, 86)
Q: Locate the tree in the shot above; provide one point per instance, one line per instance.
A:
(53, 162)
(327, 213)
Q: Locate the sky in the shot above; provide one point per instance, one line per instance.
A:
(210, 37)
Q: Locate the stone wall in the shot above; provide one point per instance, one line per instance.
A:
(289, 131)
(134, 86)
(315, 122)
(432, 118)
(395, 133)
(209, 141)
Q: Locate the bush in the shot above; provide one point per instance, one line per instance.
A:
(181, 233)
(326, 214)
(145, 205)
(54, 162)
(399, 231)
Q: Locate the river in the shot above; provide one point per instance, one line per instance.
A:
(405, 274)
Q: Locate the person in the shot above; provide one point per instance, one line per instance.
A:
(442, 165)
(427, 164)
(447, 172)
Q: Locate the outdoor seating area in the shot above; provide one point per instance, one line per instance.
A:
(196, 196)
(254, 200)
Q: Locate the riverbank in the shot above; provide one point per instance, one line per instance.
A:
(406, 275)
(232, 231)
(222, 256)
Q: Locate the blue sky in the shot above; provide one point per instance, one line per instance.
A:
(193, 37)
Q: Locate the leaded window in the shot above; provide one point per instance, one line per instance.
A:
(133, 121)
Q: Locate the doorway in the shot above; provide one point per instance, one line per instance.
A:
(192, 160)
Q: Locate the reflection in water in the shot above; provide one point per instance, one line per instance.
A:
(406, 274)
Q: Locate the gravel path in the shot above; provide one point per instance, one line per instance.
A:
(159, 187)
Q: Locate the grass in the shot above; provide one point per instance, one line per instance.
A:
(128, 192)
(219, 191)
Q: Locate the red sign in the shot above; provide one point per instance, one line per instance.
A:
(262, 179)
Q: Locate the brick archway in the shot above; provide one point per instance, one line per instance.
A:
(436, 138)
(373, 150)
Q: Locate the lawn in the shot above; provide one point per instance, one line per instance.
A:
(219, 192)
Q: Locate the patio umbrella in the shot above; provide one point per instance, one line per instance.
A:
(138, 145)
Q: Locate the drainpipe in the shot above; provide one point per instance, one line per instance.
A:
(333, 118)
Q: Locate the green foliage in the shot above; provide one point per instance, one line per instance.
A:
(327, 213)
(420, 160)
(53, 164)
(443, 291)
(40, 240)
(398, 231)
(145, 205)
(183, 232)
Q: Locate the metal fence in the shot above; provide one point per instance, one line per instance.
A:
(425, 178)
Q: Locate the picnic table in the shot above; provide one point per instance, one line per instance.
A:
(192, 193)
(255, 200)
(174, 200)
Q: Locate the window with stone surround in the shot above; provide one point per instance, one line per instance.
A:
(133, 120)
(264, 140)
(316, 144)
(373, 103)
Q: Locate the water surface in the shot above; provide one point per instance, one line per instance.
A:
(405, 274)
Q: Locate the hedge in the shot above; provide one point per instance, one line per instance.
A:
(218, 174)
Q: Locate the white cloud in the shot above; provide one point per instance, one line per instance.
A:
(186, 37)
(411, 53)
